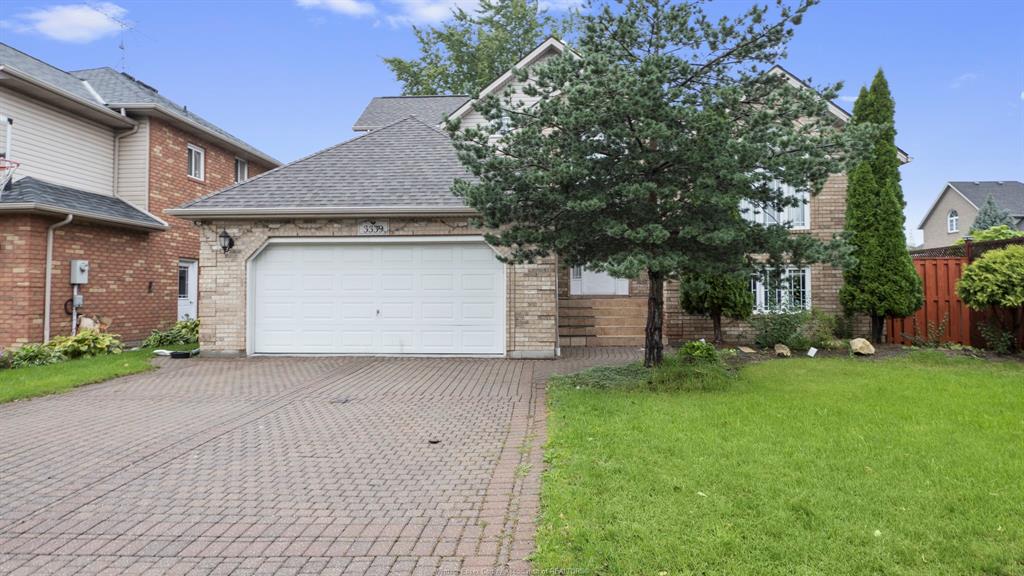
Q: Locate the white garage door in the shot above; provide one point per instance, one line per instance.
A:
(385, 298)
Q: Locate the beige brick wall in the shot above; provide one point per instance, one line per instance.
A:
(531, 289)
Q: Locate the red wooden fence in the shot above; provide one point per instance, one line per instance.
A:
(942, 308)
(940, 270)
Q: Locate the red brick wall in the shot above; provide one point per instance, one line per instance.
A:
(123, 263)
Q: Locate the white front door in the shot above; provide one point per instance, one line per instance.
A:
(583, 282)
(188, 289)
(378, 298)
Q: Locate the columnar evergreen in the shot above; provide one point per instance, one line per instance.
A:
(883, 282)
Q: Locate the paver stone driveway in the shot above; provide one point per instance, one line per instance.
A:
(282, 466)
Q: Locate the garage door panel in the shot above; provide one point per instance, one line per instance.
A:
(383, 298)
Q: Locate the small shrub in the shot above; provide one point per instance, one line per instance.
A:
(697, 351)
(32, 355)
(797, 329)
(86, 343)
(996, 339)
(183, 332)
(932, 338)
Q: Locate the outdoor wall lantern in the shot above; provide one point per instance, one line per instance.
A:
(226, 241)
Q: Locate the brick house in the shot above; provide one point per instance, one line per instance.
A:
(362, 249)
(100, 157)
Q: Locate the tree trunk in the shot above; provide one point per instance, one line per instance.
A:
(655, 307)
(877, 328)
(716, 320)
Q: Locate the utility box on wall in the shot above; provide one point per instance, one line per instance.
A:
(79, 271)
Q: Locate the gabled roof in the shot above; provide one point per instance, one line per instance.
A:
(407, 167)
(33, 195)
(384, 110)
(101, 92)
(1007, 194)
(550, 46)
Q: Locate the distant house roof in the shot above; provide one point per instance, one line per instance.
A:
(407, 167)
(110, 90)
(384, 110)
(31, 195)
(1007, 194)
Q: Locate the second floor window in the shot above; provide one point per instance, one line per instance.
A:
(796, 217)
(196, 162)
(241, 170)
(953, 222)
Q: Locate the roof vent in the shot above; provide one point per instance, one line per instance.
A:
(140, 82)
(1000, 182)
(976, 182)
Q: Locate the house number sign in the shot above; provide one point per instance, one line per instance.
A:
(373, 228)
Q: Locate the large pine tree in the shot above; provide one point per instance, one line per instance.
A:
(883, 281)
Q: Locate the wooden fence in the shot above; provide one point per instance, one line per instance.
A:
(944, 316)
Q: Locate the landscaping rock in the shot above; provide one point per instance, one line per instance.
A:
(861, 347)
(747, 350)
(782, 350)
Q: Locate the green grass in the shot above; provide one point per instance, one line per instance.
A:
(841, 466)
(32, 381)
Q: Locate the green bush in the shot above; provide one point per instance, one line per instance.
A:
(697, 351)
(994, 279)
(86, 343)
(996, 339)
(32, 355)
(183, 332)
(797, 329)
(680, 374)
(1002, 232)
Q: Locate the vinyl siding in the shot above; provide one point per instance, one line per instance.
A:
(474, 118)
(57, 147)
(133, 167)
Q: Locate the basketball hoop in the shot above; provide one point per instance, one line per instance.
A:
(7, 168)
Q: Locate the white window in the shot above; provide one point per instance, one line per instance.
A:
(241, 170)
(796, 217)
(790, 290)
(952, 222)
(196, 162)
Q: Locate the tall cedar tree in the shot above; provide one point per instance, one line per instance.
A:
(469, 51)
(991, 215)
(633, 153)
(716, 296)
(883, 282)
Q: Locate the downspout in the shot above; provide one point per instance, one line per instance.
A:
(49, 275)
(117, 153)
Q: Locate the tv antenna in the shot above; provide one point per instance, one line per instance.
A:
(124, 25)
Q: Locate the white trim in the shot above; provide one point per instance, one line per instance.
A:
(94, 93)
(316, 212)
(952, 221)
(551, 43)
(250, 286)
(949, 186)
(761, 291)
(245, 166)
(6, 70)
(47, 208)
(195, 148)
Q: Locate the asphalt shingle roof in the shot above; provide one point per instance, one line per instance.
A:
(1007, 194)
(384, 110)
(32, 191)
(45, 72)
(405, 164)
(120, 89)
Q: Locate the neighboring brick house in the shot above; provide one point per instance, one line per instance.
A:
(953, 213)
(363, 249)
(100, 157)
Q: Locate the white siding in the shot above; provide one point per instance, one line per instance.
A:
(133, 167)
(474, 118)
(58, 147)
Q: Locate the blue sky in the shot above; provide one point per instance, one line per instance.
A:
(291, 76)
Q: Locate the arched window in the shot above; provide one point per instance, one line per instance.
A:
(953, 222)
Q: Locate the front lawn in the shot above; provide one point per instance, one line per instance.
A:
(20, 383)
(911, 465)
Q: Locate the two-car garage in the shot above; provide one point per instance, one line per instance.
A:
(386, 296)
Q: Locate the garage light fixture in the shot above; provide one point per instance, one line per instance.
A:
(226, 241)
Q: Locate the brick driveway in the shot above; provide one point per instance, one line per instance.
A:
(281, 466)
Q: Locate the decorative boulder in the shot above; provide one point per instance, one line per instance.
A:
(747, 350)
(861, 347)
(782, 350)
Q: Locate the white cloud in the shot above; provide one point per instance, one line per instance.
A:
(963, 80)
(426, 11)
(848, 99)
(347, 7)
(78, 23)
(1022, 95)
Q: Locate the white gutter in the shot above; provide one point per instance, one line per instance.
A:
(49, 275)
(319, 212)
(117, 154)
(8, 70)
(37, 207)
